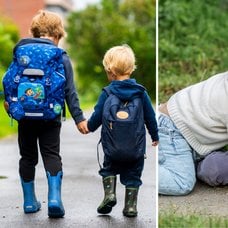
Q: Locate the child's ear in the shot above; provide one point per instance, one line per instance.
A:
(110, 75)
(56, 40)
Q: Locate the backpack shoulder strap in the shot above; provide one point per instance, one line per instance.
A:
(107, 90)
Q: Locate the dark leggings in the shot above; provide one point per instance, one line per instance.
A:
(46, 134)
(130, 173)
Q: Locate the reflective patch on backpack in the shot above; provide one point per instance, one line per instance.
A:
(57, 109)
(24, 60)
(122, 115)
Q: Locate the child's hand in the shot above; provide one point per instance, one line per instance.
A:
(155, 143)
(82, 127)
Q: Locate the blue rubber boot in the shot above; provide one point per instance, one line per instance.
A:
(55, 205)
(31, 205)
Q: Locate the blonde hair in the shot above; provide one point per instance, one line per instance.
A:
(47, 23)
(119, 60)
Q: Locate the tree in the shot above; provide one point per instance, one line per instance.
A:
(93, 31)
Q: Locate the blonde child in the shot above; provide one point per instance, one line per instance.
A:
(47, 29)
(119, 63)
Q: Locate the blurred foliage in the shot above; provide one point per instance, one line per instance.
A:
(192, 42)
(93, 31)
(9, 35)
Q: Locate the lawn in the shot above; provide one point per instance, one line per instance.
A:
(8, 126)
(191, 221)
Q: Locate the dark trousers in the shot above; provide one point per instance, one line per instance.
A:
(130, 172)
(46, 135)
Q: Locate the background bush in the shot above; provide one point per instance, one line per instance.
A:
(192, 42)
(93, 31)
(9, 35)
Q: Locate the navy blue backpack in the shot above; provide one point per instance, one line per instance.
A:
(123, 129)
(34, 82)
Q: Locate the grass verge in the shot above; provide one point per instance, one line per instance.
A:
(191, 221)
(7, 126)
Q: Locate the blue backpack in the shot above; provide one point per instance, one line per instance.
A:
(34, 82)
(123, 129)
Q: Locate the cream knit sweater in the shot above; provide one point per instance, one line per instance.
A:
(200, 112)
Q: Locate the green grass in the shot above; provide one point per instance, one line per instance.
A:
(191, 221)
(170, 83)
(7, 126)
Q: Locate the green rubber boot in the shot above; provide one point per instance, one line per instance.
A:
(109, 201)
(130, 208)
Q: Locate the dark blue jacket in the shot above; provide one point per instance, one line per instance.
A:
(126, 90)
(71, 95)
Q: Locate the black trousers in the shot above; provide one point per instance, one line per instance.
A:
(46, 135)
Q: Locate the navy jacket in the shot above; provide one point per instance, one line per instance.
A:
(71, 95)
(126, 90)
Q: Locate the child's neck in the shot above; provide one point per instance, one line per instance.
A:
(122, 77)
(55, 40)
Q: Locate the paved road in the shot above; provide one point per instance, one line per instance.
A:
(82, 188)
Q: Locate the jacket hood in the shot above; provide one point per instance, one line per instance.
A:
(127, 89)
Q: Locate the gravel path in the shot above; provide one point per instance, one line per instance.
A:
(204, 200)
